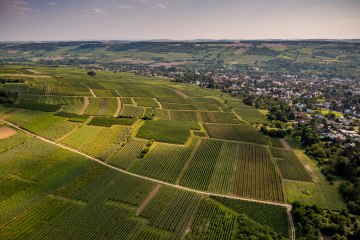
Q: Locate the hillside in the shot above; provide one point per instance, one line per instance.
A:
(122, 156)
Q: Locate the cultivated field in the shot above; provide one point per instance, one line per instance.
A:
(162, 149)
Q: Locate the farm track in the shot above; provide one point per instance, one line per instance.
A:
(148, 199)
(187, 163)
(91, 91)
(285, 143)
(86, 105)
(118, 109)
(287, 206)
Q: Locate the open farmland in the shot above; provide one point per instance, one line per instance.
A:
(175, 161)
(72, 195)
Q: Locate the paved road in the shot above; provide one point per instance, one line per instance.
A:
(287, 206)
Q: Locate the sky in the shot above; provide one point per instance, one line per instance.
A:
(51, 20)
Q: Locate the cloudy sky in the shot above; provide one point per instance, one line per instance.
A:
(178, 19)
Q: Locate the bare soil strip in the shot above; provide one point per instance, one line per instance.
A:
(188, 161)
(285, 143)
(118, 110)
(291, 221)
(86, 105)
(148, 199)
(6, 132)
(33, 71)
(181, 93)
(190, 222)
(160, 106)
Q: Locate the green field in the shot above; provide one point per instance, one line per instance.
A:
(167, 131)
(162, 146)
(58, 194)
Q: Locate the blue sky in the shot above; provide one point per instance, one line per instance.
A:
(178, 19)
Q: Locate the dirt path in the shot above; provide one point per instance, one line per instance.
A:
(140, 176)
(181, 93)
(118, 110)
(86, 105)
(160, 106)
(33, 71)
(291, 221)
(191, 220)
(148, 199)
(118, 92)
(188, 161)
(285, 143)
(91, 91)
(287, 206)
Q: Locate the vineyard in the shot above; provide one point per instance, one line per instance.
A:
(128, 154)
(266, 214)
(248, 113)
(163, 114)
(109, 121)
(171, 140)
(52, 127)
(170, 210)
(184, 116)
(164, 162)
(167, 131)
(242, 133)
(132, 111)
(290, 166)
(93, 140)
(146, 102)
(234, 168)
(12, 141)
(102, 106)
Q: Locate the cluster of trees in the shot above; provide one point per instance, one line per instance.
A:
(249, 229)
(274, 132)
(313, 221)
(335, 161)
(190, 77)
(8, 80)
(91, 73)
(329, 70)
(279, 110)
(8, 97)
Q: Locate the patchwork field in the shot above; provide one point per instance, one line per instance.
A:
(51, 197)
(175, 161)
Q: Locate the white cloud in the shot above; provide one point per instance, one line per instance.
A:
(51, 3)
(125, 7)
(161, 6)
(89, 13)
(14, 7)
